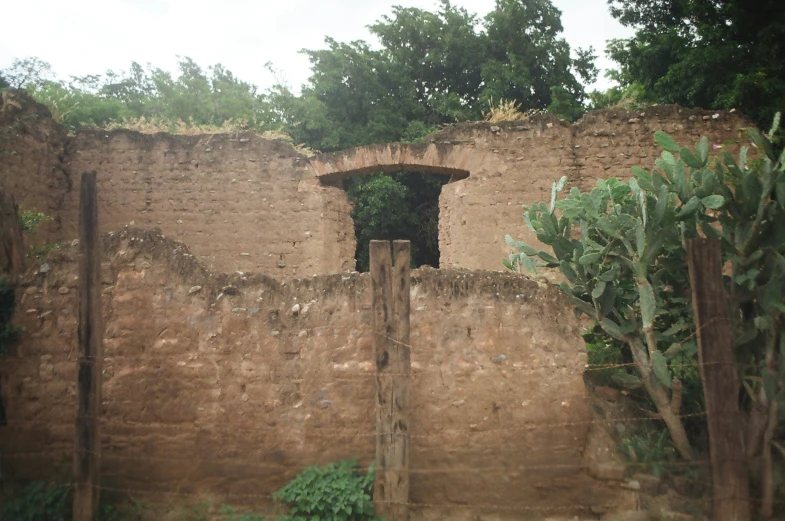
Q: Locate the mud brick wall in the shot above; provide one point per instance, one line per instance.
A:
(243, 203)
(498, 168)
(240, 202)
(32, 147)
(227, 386)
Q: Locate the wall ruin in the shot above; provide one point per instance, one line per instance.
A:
(217, 386)
(243, 203)
(32, 169)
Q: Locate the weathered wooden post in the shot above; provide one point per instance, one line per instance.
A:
(12, 254)
(390, 325)
(90, 338)
(731, 500)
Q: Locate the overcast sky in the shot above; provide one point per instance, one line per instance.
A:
(81, 37)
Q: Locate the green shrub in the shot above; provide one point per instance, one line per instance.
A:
(231, 516)
(649, 449)
(30, 219)
(335, 492)
(39, 501)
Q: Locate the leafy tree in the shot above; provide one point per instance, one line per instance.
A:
(621, 250)
(704, 53)
(527, 58)
(134, 89)
(356, 96)
(75, 107)
(442, 53)
(27, 71)
(194, 96)
(628, 97)
(3, 82)
(433, 68)
(398, 206)
(563, 104)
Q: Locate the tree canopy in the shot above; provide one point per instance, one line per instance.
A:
(704, 53)
(434, 68)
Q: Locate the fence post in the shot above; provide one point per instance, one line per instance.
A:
(90, 340)
(12, 254)
(720, 381)
(390, 325)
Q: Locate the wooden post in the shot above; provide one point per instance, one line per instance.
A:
(91, 332)
(390, 325)
(12, 254)
(720, 381)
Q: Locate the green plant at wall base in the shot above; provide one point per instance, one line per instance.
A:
(39, 501)
(40, 251)
(334, 492)
(232, 516)
(649, 449)
(30, 219)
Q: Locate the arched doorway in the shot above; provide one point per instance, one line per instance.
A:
(400, 205)
(395, 190)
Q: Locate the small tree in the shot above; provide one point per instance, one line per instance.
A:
(752, 225)
(621, 250)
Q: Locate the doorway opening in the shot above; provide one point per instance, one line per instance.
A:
(399, 205)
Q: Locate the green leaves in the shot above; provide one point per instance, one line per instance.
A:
(690, 159)
(713, 202)
(337, 491)
(612, 328)
(628, 269)
(590, 258)
(648, 304)
(660, 368)
(627, 381)
(666, 142)
(38, 501)
(703, 150)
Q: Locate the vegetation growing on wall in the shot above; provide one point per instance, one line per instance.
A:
(428, 68)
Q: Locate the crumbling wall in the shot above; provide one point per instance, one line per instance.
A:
(31, 153)
(243, 203)
(227, 386)
(514, 163)
(240, 202)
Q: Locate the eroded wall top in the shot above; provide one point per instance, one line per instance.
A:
(499, 167)
(228, 385)
(243, 203)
